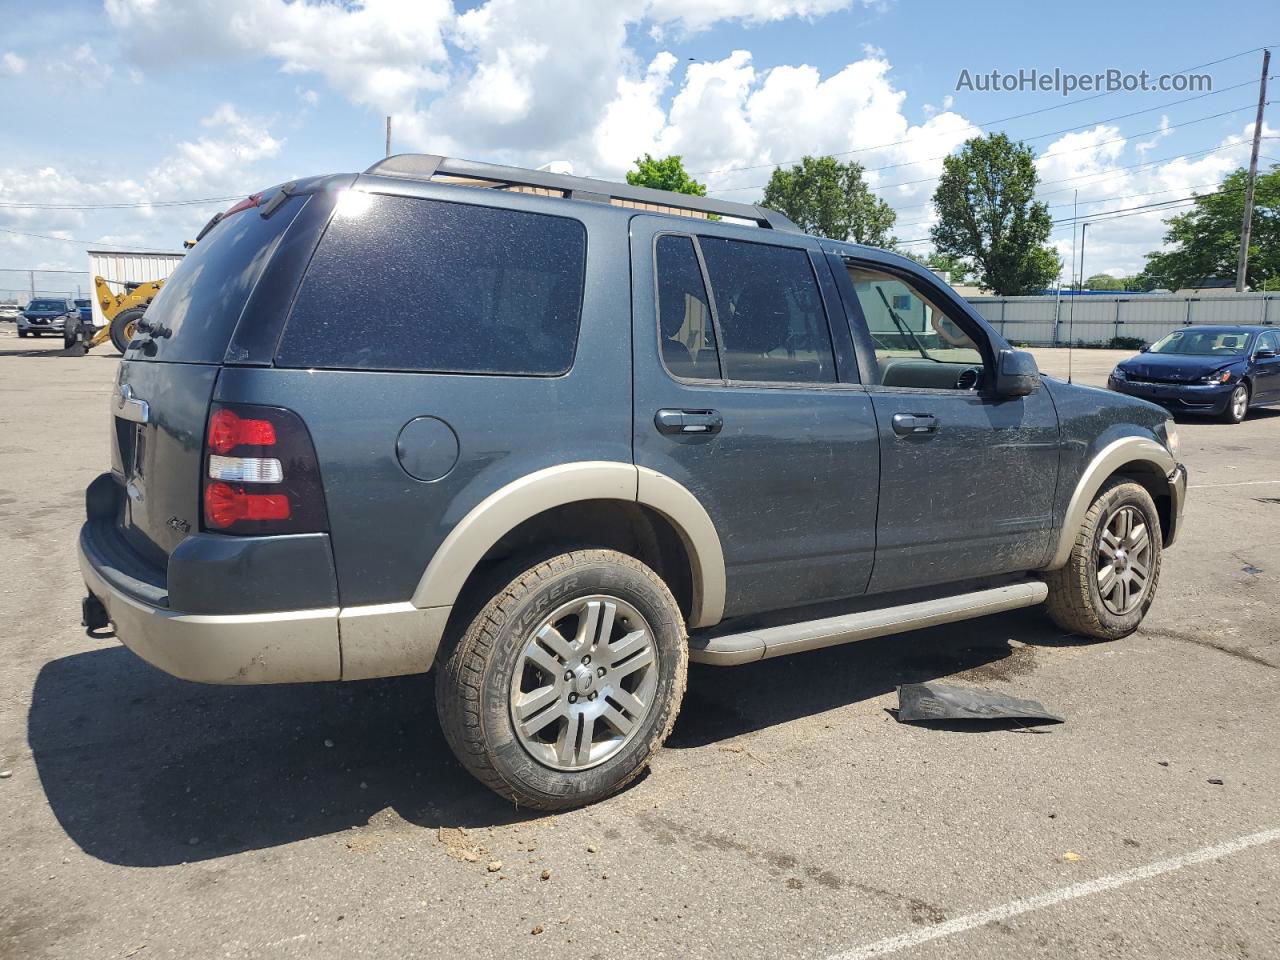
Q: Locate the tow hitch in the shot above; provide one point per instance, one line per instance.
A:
(93, 615)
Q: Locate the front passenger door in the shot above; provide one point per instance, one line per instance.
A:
(1266, 370)
(967, 480)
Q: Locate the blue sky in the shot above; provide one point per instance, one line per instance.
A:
(136, 101)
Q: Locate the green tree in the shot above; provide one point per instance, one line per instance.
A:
(830, 199)
(988, 215)
(1205, 241)
(664, 173)
(1104, 281)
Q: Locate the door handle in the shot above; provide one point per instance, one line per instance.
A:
(914, 424)
(688, 422)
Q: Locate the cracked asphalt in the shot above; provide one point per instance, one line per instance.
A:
(789, 816)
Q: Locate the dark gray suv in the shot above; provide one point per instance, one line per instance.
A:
(556, 437)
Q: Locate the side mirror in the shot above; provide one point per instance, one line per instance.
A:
(1144, 348)
(1016, 373)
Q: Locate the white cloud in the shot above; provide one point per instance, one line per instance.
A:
(694, 15)
(380, 53)
(13, 64)
(219, 162)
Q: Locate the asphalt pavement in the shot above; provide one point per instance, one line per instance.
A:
(789, 816)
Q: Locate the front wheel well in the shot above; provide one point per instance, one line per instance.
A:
(620, 525)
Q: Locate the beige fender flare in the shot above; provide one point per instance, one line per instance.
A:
(522, 499)
(1107, 461)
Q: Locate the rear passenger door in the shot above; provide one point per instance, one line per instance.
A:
(748, 395)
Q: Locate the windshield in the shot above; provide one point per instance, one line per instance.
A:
(44, 306)
(1204, 343)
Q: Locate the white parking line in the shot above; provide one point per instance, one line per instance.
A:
(1241, 483)
(1016, 907)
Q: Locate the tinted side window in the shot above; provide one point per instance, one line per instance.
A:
(1269, 341)
(684, 314)
(770, 313)
(400, 283)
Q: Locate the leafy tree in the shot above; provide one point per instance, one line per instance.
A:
(664, 173)
(1205, 241)
(1104, 281)
(988, 214)
(830, 199)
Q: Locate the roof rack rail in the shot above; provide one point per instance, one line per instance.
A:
(426, 166)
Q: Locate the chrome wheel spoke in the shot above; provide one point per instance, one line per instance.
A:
(555, 641)
(1108, 545)
(617, 719)
(544, 661)
(539, 723)
(1138, 571)
(627, 702)
(641, 660)
(1106, 579)
(628, 645)
(527, 704)
(1138, 538)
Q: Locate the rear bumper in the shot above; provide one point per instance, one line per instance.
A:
(175, 620)
(283, 647)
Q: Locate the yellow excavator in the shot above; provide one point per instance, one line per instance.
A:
(121, 310)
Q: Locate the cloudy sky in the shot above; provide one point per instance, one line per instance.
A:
(152, 104)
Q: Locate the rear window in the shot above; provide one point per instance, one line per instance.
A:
(400, 283)
(197, 309)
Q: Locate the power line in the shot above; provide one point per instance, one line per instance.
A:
(19, 205)
(1104, 215)
(87, 243)
(1059, 153)
(1016, 116)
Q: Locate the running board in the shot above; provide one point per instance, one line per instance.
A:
(731, 649)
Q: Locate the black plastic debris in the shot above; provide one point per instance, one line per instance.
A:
(925, 702)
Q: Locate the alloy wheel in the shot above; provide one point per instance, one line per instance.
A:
(584, 683)
(1124, 560)
(1239, 402)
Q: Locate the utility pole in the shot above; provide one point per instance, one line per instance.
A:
(1242, 262)
(389, 139)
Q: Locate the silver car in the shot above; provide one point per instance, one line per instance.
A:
(47, 315)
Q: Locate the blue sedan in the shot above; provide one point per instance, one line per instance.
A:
(1219, 371)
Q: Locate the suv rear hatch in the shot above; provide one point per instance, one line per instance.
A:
(167, 377)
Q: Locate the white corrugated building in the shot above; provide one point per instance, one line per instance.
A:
(120, 266)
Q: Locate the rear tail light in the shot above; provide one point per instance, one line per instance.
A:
(260, 472)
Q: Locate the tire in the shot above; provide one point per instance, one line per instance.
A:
(496, 664)
(1238, 405)
(1080, 600)
(22, 334)
(69, 338)
(123, 326)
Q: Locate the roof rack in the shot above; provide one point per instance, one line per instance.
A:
(426, 166)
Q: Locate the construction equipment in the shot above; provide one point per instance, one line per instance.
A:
(122, 311)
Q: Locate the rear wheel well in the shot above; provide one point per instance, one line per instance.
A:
(620, 525)
(1149, 475)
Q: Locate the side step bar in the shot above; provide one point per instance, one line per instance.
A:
(731, 649)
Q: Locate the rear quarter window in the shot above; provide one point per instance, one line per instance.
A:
(197, 309)
(401, 283)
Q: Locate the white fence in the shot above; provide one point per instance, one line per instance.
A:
(1097, 320)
